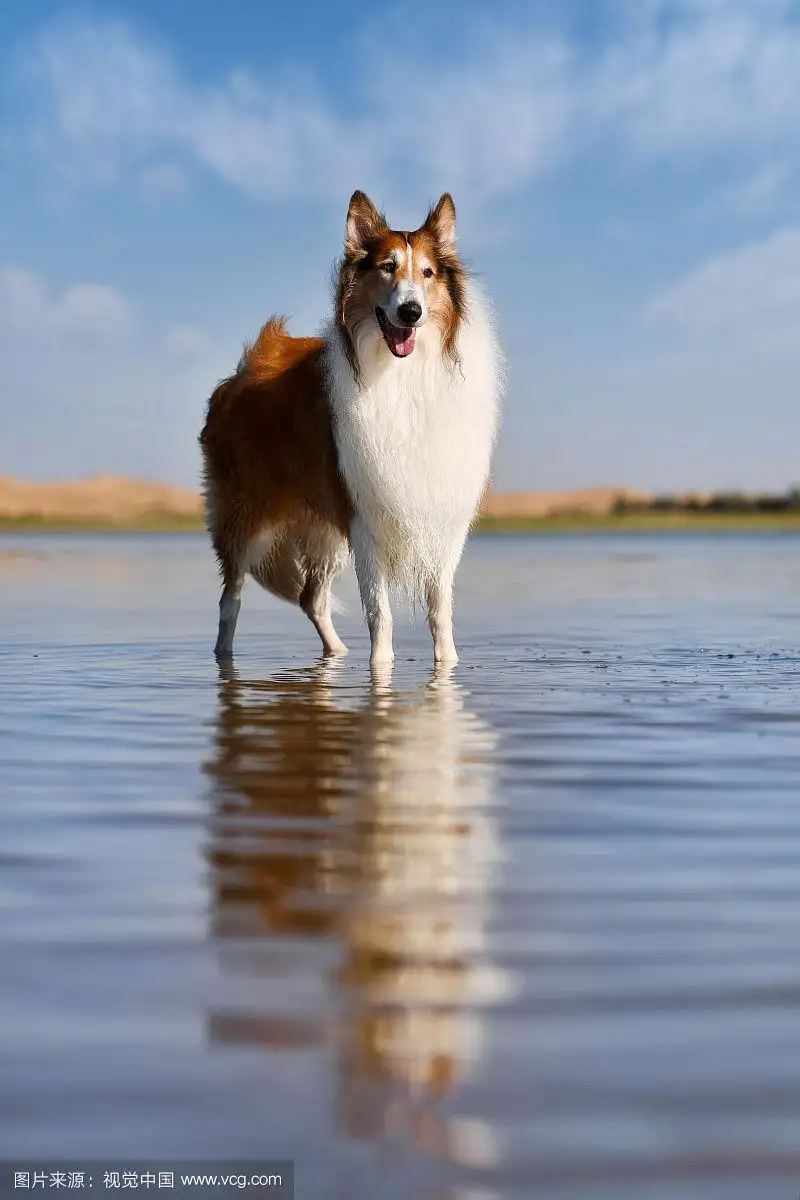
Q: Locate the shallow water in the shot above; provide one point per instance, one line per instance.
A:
(530, 929)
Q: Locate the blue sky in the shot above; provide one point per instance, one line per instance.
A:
(626, 175)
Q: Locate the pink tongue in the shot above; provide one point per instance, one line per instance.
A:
(402, 340)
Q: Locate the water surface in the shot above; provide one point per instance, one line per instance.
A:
(526, 929)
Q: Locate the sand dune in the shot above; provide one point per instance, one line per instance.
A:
(597, 501)
(101, 497)
(113, 499)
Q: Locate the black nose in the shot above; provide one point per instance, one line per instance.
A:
(410, 312)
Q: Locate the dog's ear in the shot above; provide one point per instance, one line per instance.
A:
(364, 225)
(441, 222)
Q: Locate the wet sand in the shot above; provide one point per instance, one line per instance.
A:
(526, 929)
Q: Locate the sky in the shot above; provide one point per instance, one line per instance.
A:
(626, 175)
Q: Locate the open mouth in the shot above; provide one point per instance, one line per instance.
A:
(400, 339)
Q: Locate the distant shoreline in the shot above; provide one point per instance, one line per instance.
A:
(110, 503)
(568, 523)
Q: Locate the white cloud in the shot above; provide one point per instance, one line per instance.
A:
(107, 395)
(503, 113)
(108, 101)
(30, 309)
(745, 300)
(699, 76)
(672, 77)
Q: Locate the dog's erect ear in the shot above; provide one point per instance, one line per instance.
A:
(364, 225)
(441, 222)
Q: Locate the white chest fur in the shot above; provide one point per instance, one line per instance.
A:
(415, 438)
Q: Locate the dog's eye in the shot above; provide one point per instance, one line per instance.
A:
(427, 272)
(389, 267)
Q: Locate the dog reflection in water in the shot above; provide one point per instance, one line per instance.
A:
(361, 819)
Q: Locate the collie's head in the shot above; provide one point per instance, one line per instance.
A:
(394, 287)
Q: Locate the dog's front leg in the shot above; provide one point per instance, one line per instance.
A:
(440, 619)
(374, 588)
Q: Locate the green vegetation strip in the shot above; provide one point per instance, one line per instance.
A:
(146, 523)
(642, 522)
(566, 523)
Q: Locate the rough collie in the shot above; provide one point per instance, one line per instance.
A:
(374, 438)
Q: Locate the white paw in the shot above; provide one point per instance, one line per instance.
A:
(445, 654)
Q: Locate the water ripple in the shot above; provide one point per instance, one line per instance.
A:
(526, 928)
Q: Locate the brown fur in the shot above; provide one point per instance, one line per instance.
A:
(270, 457)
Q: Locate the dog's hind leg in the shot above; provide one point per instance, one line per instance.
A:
(233, 573)
(237, 546)
(324, 554)
(230, 533)
(315, 602)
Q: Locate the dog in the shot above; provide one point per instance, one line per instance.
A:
(374, 439)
